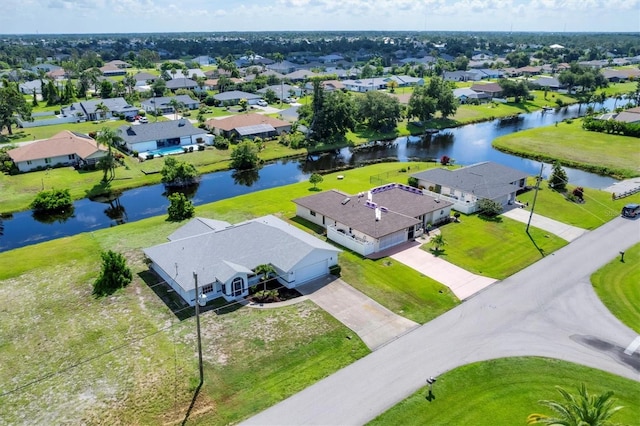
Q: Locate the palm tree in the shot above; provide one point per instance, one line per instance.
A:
(265, 269)
(102, 109)
(438, 241)
(176, 105)
(580, 410)
(109, 137)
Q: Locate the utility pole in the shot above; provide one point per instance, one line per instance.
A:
(533, 205)
(195, 277)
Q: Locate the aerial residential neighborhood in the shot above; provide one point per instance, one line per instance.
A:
(341, 227)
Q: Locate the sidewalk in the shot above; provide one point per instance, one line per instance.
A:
(462, 283)
(562, 230)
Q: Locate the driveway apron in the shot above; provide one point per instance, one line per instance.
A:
(562, 230)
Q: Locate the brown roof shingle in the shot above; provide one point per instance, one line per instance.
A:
(63, 143)
(242, 120)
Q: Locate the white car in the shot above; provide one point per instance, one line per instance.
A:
(262, 103)
(143, 120)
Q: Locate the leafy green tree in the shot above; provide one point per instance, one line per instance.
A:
(115, 274)
(265, 270)
(244, 104)
(378, 110)
(315, 179)
(580, 410)
(106, 89)
(180, 207)
(421, 104)
(11, 103)
(178, 173)
(158, 87)
(245, 156)
(489, 207)
(52, 201)
(333, 115)
(558, 179)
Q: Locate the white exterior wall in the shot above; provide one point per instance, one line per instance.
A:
(142, 146)
(358, 246)
(61, 159)
(320, 260)
(304, 213)
(391, 240)
(186, 296)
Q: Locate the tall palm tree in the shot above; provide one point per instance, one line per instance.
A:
(438, 241)
(580, 410)
(176, 105)
(109, 137)
(102, 109)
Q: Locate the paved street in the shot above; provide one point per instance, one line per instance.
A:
(548, 309)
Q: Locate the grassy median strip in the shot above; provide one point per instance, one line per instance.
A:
(617, 286)
(573, 146)
(505, 391)
(495, 248)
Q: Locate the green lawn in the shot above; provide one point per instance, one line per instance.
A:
(597, 209)
(601, 153)
(495, 248)
(505, 391)
(617, 286)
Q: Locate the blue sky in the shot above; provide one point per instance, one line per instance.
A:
(138, 16)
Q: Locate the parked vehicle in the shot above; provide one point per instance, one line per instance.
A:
(631, 210)
(262, 103)
(143, 120)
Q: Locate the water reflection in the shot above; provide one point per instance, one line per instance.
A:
(54, 217)
(246, 177)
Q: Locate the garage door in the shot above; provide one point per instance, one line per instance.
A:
(392, 240)
(311, 272)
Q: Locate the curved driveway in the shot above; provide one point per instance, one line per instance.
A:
(548, 309)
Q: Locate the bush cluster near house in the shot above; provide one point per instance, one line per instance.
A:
(180, 207)
(115, 274)
(52, 201)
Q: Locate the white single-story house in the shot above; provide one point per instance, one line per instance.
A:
(163, 134)
(466, 94)
(466, 185)
(162, 104)
(90, 110)
(282, 91)
(370, 222)
(65, 148)
(224, 257)
(233, 97)
(248, 125)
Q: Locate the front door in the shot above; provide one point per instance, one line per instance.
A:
(411, 232)
(238, 285)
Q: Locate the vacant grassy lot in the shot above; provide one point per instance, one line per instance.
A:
(567, 142)
(505, 391)
(597, 209)
(617, 286)
(495, 248)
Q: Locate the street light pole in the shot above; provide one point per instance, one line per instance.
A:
(195, 277)
(533, 205)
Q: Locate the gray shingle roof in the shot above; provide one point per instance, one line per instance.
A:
(484, 180)
(197, 226)
(235, 95)
(156, 131)
(218, 255)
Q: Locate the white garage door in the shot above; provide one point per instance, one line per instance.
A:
(392, 240)
(310, 272)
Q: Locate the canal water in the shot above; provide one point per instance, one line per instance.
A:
(466, 145)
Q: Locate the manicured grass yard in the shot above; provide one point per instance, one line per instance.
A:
(598, 152)
(495, 248)
(597, 209)
(505, 391)
(617, 285)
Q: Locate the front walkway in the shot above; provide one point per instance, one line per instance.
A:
(562, 230)
(462, 283)
(375, 324)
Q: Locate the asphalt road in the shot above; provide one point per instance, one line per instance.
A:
(548, 309)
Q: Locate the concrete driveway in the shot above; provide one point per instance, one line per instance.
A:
(375, 324)
(562, 230)
(462, 282)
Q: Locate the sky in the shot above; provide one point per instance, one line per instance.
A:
(144, 16)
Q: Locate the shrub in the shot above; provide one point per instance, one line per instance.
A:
(52, 200)
(335, 270)
(180, 207)
(444, 160)
(412, 181)
(115, 274)
(489, 207)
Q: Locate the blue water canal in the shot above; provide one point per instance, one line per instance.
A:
(467, 145)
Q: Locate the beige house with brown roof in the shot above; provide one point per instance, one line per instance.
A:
(370, 222)
(248, 125)
(65, 148)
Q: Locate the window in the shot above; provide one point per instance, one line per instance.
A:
(312, 213)
(47, 160)
(207, 288)
(29, 162)
(72, 156)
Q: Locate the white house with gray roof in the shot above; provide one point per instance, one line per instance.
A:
(233, 97)
(90, 110)
(466, 185)
(224, 257)
(162, 104)
(163, 134)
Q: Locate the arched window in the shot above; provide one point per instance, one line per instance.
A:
(237, 286)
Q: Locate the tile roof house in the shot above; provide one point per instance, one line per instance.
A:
(466, 95)
(65, 148)
(162, 104)
(370, 222)
(492, 89)
(466, 185)
(248, 125)
(224, 257)
(163, 134)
